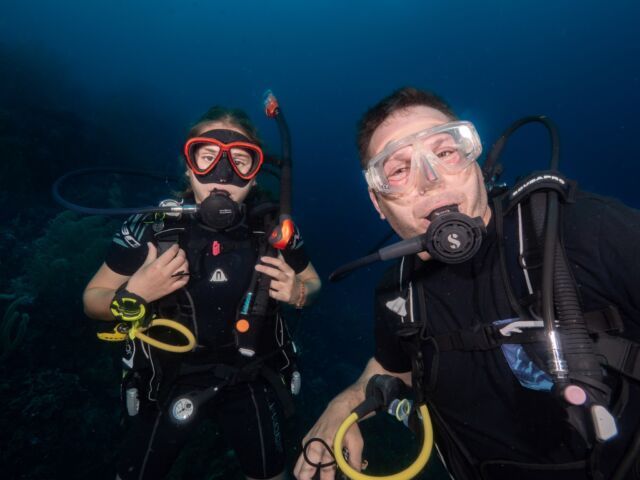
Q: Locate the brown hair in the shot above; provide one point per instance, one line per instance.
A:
(400, 99)
(233, 116)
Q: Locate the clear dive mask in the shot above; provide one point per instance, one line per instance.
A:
(448, 148)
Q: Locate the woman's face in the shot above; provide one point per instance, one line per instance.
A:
(203, 190)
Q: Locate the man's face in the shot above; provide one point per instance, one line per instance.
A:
(407, 212)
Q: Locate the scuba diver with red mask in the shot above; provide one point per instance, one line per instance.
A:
(219, 275)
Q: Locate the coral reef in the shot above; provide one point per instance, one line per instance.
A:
(13, 326)
(64, 258)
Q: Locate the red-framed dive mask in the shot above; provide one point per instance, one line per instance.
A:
(223, 156)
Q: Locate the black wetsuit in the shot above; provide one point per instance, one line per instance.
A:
(477, 401)
(247, 411)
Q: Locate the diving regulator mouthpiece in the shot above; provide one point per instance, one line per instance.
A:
(453, 237)
(219, 211)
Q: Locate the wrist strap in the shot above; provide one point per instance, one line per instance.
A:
(128, 306)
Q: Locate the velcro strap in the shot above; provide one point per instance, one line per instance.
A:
(484, 338)
(226, 246)
(606, 320)
(478, 338)
(167, 238)
(621, 354)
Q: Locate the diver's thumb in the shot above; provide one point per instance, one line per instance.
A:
(152, 253)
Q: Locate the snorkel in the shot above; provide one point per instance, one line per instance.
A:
(284, 231)
(255, 303)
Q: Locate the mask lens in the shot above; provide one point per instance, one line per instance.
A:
(397, 168)
(449, 153)
(245, 160)
(204, 155)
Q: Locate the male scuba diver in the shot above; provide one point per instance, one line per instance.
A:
(524, 349)
(219, 281)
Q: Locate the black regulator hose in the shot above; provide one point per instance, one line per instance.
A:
(55, 191)
(578, 346)
(398, 249)
(490, 167)
(451, 237)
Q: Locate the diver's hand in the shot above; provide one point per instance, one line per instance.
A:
(160, 276)
(284, 286)
(326, 428)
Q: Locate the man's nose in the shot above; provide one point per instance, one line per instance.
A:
(429, 176)
(430, 172)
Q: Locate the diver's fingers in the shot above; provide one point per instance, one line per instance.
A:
(184, 267)
(283, 291)
(152, 253)
(271, 260)
(303, 470)
(168, 255)
(176, 261)
(278, 285)
(180, 282)
(272, 272)
(300, 470)
(328, 473)
(278, 262)
(306, 471)
(278, 294)
(180, 269)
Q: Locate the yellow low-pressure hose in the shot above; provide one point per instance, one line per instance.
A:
(164, 322)
(407, 473)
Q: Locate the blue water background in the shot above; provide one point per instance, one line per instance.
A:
(140, 73)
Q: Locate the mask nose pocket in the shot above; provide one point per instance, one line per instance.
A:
(223, 170)
(426, 161)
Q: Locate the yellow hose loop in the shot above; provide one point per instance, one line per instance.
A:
(408, 473)
(164, 322)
